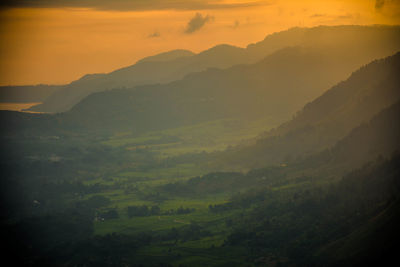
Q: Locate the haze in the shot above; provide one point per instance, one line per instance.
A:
(199, 133)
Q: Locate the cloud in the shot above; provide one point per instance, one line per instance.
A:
(131, 5)
(154, 34)
(236, 24)
(379, 4)
(197, 22)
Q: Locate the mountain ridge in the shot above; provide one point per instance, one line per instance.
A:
(383, 41)
(328, 118)
(242, 90)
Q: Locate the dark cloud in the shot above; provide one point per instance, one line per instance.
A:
(125, 5)
(379, 4)
(197, 22)
(154, 34)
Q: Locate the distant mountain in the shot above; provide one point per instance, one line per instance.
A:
(343, 37)
(329, 118)
(152, 70)
(167, 56)
(27, 93)
(174, 65)
(277, 86)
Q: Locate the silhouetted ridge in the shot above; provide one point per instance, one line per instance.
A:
(167, 56)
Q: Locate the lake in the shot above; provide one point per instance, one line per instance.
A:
(17, 106)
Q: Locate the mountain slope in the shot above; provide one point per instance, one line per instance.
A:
(327, 119)
(375, 239)
(277, 86)
(377, 138)
(167, 56)
(382, 41)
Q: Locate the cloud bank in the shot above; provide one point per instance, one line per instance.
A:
(132, 5)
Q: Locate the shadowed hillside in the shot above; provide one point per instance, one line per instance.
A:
(328, 118)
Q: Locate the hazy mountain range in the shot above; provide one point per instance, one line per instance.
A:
(345, 43)
(352, 122)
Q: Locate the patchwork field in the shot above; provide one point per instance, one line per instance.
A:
(204, 137)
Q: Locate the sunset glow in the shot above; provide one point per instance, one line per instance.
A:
(57, 45)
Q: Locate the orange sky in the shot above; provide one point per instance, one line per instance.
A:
(58, 44)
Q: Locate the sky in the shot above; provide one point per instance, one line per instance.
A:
(58, 41)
